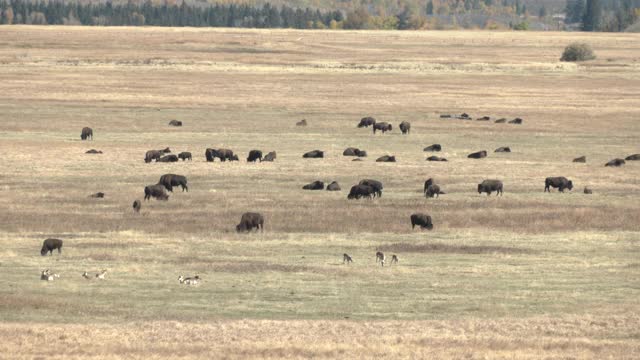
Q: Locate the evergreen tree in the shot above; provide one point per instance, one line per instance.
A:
(430, 7)
(592, 16)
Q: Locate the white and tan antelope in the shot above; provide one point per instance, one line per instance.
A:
(189, 280)
(380, 257)
(46, 275)
(86, 275)
(101, 275)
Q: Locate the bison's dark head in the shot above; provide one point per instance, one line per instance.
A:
(479, 188)
(241, 227)
(44, 250)
(570, 185)
(429, 226)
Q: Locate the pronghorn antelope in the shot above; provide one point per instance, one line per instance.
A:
(86, 275)
(380, 257)
(394, 259)
(101, 274)
(346, 259)
(46, 275)
(190, 280)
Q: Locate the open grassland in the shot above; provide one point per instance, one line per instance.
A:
(527, 275)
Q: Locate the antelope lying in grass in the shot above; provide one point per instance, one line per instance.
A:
(190, 280)
(101, 274)
(46, 275)
(380, 257)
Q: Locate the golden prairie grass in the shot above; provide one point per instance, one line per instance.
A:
(527, 275)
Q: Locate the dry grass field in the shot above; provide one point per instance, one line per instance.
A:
(526, 275)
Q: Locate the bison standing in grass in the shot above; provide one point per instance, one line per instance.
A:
(185, 155)
(156, 191)
(489, 186)
(171, 180)
(254, 155)
(249, 221)
(422, 220)
(366, 122)
(359, 191)
(559, 182)
(375, 184)
(270, 156)
(405, 127)
(86, 134)
(49, 245)
(382, 126)
(152, 155)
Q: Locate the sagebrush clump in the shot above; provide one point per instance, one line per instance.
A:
(578, 52)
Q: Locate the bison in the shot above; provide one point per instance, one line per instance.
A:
(405, 127)
(503, 149)
(359, 191)
(137, 205)
(500, 121)
(366, 122)
(478, 155)
(98, 195)
(249, 221)
(434, 147)
(315, 154)
(588, 191)
(87, 133)
(436, 158)
(302, 122)
(422, 220)
(93, 151)
(270, 156)
(464, 116)
(615, 162)
(433, 191)
(633, 157)
(484, 118)
(429, 182)
(445, 116)
(375, 184)
(175, 123)
(222, 154)
(168, 158)
(351, 151)
(152, 155)
(581, 159)
(171, 180)
(386, 158)
(156, 191)
(516, 121)
(334, 186)
(382, 126)
(49, 245)
(185, 155)
(559, 182)
(316, 185)
(254, 155)
(489, 186)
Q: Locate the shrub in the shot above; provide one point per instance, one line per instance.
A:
(577, 52)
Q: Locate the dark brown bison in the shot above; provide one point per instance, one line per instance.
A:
(386, 158)
(137, 205)
(98, 195)
(375, 184)
(478, 155)
(516, 121)
(222, 154)
(484, 118)
(49, 245)
(501, 121)
(254, 155)
(503, 149)
(633, 157)
(422, 220)
(382, 126)
(559, 182)
(249, 221)
(436, 158)
(405, 127)
(315, 154)
(433, 191)
(359, 191)
(152, 155)
(588, 191)
(171, 180)
(445, 116)
(86, 134)
(168, 158)
(234, 157)
(316, 185)
(270, 156)
(429, 182)
(366, 122)
(175, 123)
(157, 191)
(434, 147)
(185, 155)
(581, 159)
(489, 186)
(93, 151)
(351, 151)
(302, 122)
(615, 162)
(464, 116)
(334, 186)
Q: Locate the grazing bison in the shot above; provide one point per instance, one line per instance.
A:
(249, 221)
(175, 123)
(254, 155)
(315, 154)
(334, 186)
(152, 155)
(484, 118)
(234, 157)
(168, 158)
(386, 158)
(156, 191)
(501, 121)
(375, 184)
(478, 155)
(359, 191)
(436, 158)
(382, 126)
(422, 220)
(270, 156)
(98, 195)
(405, 127)
(581, 159)
(559, 182)
(49, 245)
(316, 185)
(503, 149)
(93, 151)
(633, 157)
(516, 121)
(137, 205)
(302, 122)
(366, 122)
(185, 155)
(434, 147)
(588, 191)
(615, 162)
(171, 180)
(222, 154)
(490, 186)
(433, 191)
(87, 133)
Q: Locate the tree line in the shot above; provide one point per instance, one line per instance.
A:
(602, 15)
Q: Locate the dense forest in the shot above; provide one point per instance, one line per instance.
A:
(587, 15)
